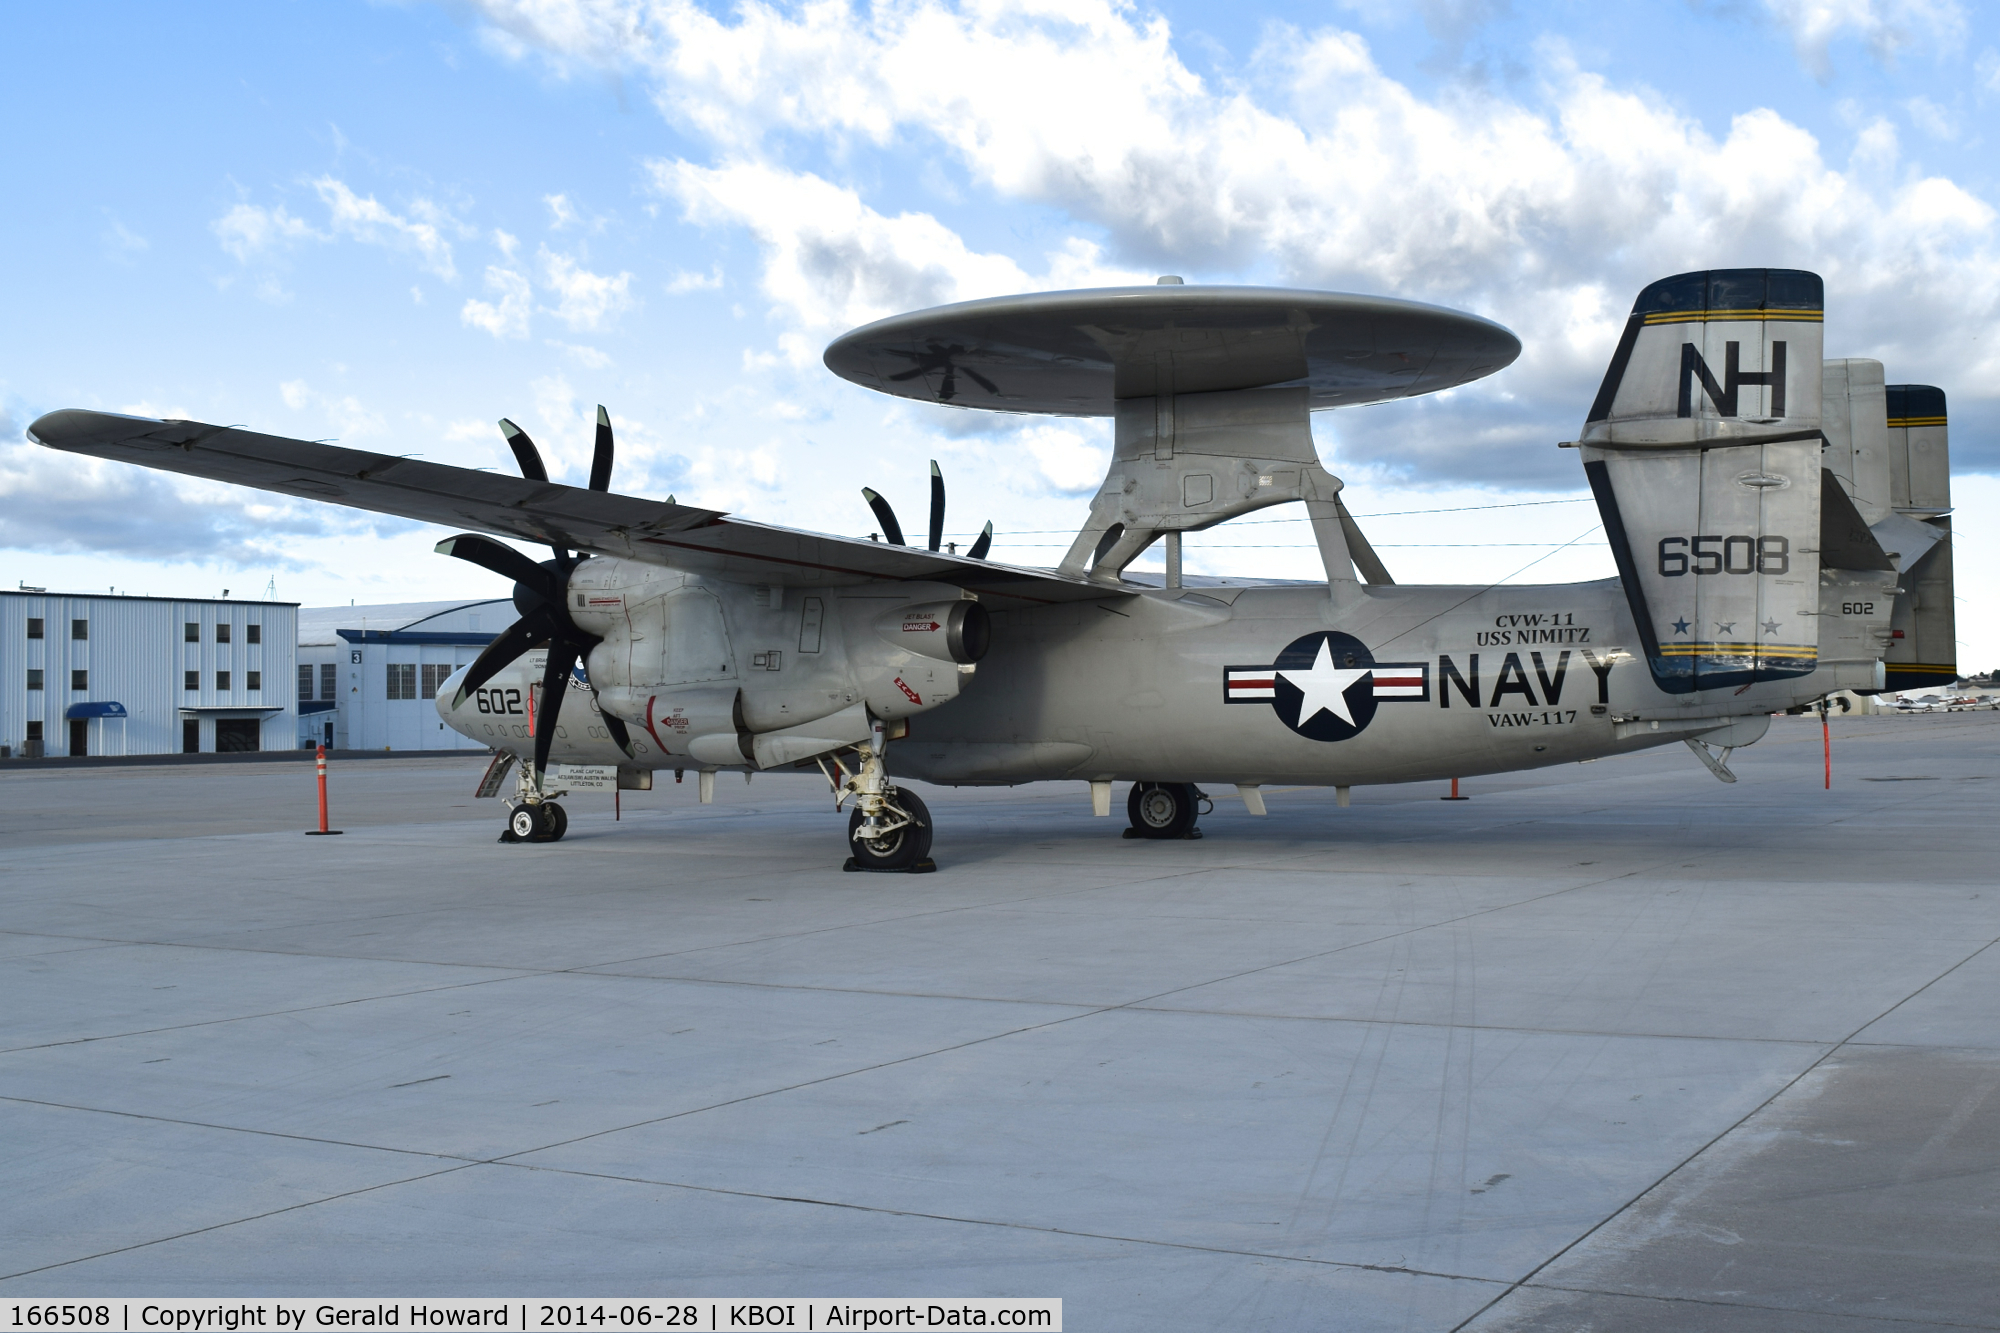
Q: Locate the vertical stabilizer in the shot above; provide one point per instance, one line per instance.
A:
(1854, 418)
(1923, 647)
(1703, 450)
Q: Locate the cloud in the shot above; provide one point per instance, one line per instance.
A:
(1885, 26)
(250, 231)
(590, 358)
(832, 262)
(509, 316)
(684, 281)
(367, 220)
(59, 503)
(562, 213)
(1546, 208)
(349, 419)
(122, 245)
(584, 300)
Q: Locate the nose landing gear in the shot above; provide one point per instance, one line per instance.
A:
(542, 821)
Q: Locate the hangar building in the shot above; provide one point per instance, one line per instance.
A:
(107, 674)
(367, 674)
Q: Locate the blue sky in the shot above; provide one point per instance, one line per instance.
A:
(391, 224)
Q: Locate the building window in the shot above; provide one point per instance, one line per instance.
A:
(34, 678)
(35, 732)
(34, 627)
(402, 680)
(305, 682)
(191, 680)
(79, 629)
(253, 634)
(253, 681)
(329, 680)
(222, 682)
(434, 677)
(191, 632)
(222, 633)
(79, 680)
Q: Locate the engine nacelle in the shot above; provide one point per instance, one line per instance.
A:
(705, 668)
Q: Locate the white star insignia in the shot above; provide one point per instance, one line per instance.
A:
(1324, 687)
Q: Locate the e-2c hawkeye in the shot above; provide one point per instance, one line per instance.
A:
(1779, 524)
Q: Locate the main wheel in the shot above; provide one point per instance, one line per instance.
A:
(527, 823)
(1162, 809)
(901, 848)
(558, 820)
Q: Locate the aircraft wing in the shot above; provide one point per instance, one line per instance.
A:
(702, 541)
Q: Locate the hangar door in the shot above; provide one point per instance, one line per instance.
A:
(235, 735)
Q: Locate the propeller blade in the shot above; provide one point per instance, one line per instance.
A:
(949, 389)
(525, 453)
(937, 506)
(980, 379)
(509, 644)
(978, 550)
(619, 736)
(555, 688)
(505, 561)
(600, 461)
(884, 515)
(909, 374)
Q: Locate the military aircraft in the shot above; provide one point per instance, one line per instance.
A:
(1779, 525)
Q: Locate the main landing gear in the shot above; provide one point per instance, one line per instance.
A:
(1165, 810)
(890, 828)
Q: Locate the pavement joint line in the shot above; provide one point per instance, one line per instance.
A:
(237, 1129)
(1092, 1012)
(1727, 1130)
(1745, 1305)
(1039, 1228)
(272, 1013)
(1523, 1028)
(232, 1222)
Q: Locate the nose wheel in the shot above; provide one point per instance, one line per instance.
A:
(541, 821)
(1163, 810)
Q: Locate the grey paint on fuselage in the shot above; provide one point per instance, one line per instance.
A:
(1135, 687)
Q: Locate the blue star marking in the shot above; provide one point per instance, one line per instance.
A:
(1680, 627)
(1725, 627)
(1770, 627)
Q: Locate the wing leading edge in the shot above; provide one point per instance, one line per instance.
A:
(703, 541)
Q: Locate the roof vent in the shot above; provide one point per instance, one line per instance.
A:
(1170, 280)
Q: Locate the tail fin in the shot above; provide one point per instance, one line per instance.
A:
(1703, 450)
(1923, 647)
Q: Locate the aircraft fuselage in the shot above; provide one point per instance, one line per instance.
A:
(1248, 684)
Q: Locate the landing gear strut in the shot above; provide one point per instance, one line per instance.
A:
(890, 828)
(1164, 810)
(534, 817)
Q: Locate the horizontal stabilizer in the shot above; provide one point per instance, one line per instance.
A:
(1844, 539)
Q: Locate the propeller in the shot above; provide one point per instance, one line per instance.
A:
(893, 530)
(541, 592)
(937, 356)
